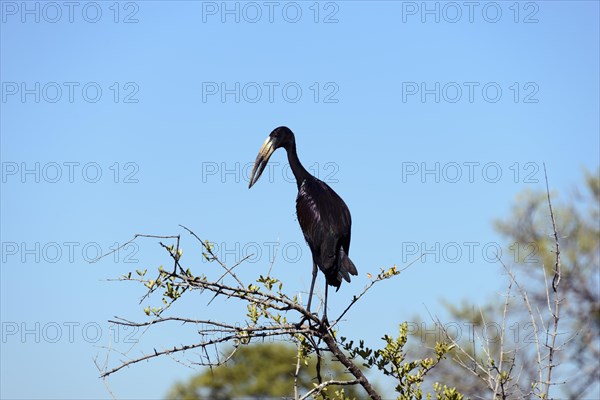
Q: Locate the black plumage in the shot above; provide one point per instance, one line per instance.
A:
(323, 216)
(325, 222)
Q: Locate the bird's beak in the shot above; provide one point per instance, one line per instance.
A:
(262, 159)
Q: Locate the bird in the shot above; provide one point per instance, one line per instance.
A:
(323, 216)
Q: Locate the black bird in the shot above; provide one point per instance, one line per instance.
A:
(323, 216)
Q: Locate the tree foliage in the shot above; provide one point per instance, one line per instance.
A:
(522, 348)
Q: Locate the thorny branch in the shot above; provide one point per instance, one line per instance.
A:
(268, 310)
(369, 286)
(556, 279)
(551, 336)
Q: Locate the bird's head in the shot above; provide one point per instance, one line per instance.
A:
(280, 137)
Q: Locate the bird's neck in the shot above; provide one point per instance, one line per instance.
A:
(300, 173)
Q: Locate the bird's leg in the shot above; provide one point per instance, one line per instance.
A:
(312, 285)
(324, 319)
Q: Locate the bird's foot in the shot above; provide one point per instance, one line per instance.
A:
(306, 318)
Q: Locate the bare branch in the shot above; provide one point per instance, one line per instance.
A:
(531, 315)
(555, 313)
(319, 388)
(137, 235)
(209, 250)
(382, 276)
(556, 279)
(297, 370)
(183, 348)
(103, 368)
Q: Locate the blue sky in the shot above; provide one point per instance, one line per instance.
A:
(152, 121)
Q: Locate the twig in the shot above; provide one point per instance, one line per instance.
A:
(366, 289)
(556, 279)
(175, 255)
(182, 348)
(297, 370)
(137, 235)
(499, 379)
(555, 312)
(209, 250)
(317, 389)
(103, 368)
(222, 326)
(531, 316)
(477, 369)
(228, 271)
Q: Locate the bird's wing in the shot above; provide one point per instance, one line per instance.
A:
(335, 214)
(324, 217)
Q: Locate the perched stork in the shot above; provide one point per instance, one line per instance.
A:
(323, 216)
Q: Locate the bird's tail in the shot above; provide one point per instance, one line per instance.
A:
(347, 267)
